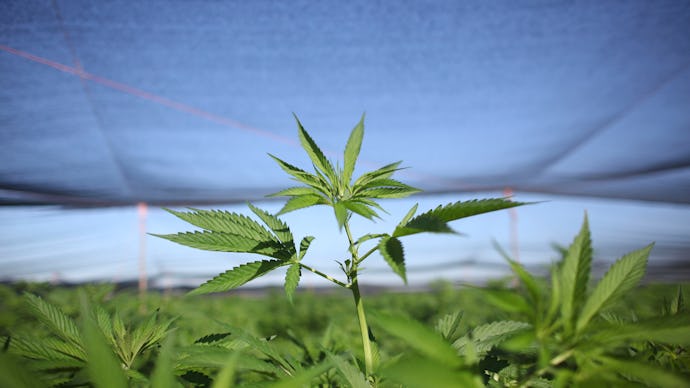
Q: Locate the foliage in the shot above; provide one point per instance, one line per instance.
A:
(571, 337)
(557, 332)
(334, 187)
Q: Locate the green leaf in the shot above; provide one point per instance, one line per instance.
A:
(292, 277)
(354, 143)
(303, 378)
(302, 201)
(449, 325)
(353, 376)
(32, 348)
(304, 246)
(281, 230)
(369, 236)
(54, 318)
(645, 372)
(508, 300)
(163, 374)
(361, 209)
(237, 276)
(486, 337)
(340, 214)
(15, 374)
(384, 172)
(623, 276)
(317, 157)
(674, 330)
(222, 221)
(408, 216)
(103, 367)
(418, 372)
(295, 191)
(392, 251)
(421, 338)
(389, 192)
(227, 242)
(226, 376)
(525, 277)
(435, 220)
(382, 182)
(574, 275)
(302, 176)
(66, 348)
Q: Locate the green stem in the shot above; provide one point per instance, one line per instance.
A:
(323, 275)
(363, 327)
(359, 304)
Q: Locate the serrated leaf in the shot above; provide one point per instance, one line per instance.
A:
(435, 220)
(211, 338)
(361, 209)
(302, 176)
(304, 246)
(281, 230)
(228, 242)
(53, 317)
(392, 251)
(66, 348)
(623, 276)
(448, 326)
(103, 367)
(317, 157)
(389, 192)
(486, 337)
(352, 148)
(223, 221)
(381, 182)
(384, 172)
(369, 236)
(574, 275)
(301, 202)
(295, 191)
(421, 338)
(35, 349)
(340, 214)
(292, 276)
(303, 378)
(408, 216)
(354, 377)
(226, 376)
(237, 276)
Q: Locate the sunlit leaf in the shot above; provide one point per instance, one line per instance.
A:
(623, 275)
(392, 251)
(237, 276)
(352, 148)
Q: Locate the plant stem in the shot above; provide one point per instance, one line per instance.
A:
(359, 305)
(363, 327)
(325, 276)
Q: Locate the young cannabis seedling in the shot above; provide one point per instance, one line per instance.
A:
(329, 186)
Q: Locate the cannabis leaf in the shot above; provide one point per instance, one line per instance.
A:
(334, 187)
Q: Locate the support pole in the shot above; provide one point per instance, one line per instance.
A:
(142, 211)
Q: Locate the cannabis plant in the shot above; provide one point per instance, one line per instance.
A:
(570, 336)
(80, 353)
(333, 186)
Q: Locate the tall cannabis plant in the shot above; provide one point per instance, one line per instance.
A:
(333, 186)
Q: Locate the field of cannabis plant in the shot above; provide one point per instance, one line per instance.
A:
(565, 330)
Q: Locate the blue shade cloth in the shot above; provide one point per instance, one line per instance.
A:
(119, 102)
